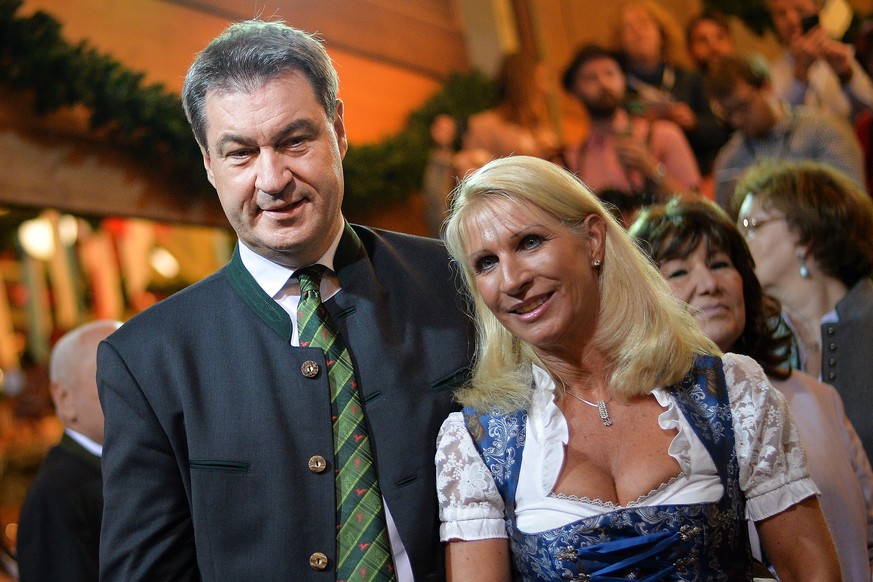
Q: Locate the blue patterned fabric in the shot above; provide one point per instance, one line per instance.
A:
(706, 541)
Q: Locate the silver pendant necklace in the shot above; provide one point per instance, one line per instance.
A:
(600, 405)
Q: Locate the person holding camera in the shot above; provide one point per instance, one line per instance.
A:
(816, 70)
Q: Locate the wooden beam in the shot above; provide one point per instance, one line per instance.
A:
(59, 164)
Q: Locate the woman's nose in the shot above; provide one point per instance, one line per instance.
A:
(705, 280)
(515, 278)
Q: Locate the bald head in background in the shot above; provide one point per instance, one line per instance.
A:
(59, 526)
(73, 378)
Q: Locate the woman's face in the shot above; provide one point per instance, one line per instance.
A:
(535, 274)
(640, 34)
(708, 281)
(773, 245)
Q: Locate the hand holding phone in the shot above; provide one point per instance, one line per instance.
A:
(807, 23)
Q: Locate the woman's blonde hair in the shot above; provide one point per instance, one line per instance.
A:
(647, 335)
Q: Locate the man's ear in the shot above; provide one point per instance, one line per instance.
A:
(63, 400)
(207, 163)
(339, 129)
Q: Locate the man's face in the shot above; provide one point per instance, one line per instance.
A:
(786, 16)
(600, 86)
(708, 42)
(275, 159)
(747, 110)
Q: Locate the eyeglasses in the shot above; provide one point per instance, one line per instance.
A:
(748, 226)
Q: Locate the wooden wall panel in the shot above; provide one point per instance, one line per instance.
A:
(419, 35)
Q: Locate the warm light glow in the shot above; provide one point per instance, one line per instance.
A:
(68, 229)
(37, 238)
(164, 262)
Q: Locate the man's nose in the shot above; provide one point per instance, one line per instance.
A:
(273, 172)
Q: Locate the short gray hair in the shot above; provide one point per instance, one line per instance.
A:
(247, 55)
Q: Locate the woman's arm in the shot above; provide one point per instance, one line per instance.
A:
(482, 560)
(471, 508)
(799, 545)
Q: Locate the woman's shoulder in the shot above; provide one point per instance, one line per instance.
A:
(748, 386)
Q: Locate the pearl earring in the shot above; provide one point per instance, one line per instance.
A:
(804, 268)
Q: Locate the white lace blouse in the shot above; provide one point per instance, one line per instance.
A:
(773, 468)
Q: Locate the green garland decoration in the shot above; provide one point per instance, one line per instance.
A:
(149, 121)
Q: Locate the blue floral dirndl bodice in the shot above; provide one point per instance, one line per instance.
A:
(706, 541)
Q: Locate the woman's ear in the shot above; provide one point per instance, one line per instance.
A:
(595, 229)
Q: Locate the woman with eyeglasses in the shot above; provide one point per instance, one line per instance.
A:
(810, 231)
(702, 255)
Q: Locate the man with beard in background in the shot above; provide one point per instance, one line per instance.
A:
(626, 159)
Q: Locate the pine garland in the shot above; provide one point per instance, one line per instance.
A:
(148, 121)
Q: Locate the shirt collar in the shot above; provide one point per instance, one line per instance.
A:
(88, 444)
(271, 276)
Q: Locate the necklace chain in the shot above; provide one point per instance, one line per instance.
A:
(600, 405)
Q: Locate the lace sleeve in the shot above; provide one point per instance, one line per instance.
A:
(773, 470)
(470, 504)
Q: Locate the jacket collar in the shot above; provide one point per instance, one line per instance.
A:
(242, 282)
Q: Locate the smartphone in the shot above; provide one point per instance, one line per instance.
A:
(807, 23)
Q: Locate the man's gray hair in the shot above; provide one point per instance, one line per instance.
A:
(249, 54)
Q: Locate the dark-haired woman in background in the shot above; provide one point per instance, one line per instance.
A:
(704, 258)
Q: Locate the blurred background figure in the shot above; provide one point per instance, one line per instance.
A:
(439, 174)
(814, 69)
(653, 54)
(703, 256)
(519, 125)
(810, 231)
(708, 38)
(766, 129)
(59, 528)
(628, 160)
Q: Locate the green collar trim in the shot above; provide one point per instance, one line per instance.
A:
(251, 293)
(348, 250)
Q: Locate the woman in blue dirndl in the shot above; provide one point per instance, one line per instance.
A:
(604, 436)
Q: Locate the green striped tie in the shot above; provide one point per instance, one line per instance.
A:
(363, 550)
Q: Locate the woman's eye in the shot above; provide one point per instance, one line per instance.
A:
(720, 265)
(531, 241)
(484, 263)
(674, 273)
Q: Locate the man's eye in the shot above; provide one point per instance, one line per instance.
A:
(295, 141)
(239, 154)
